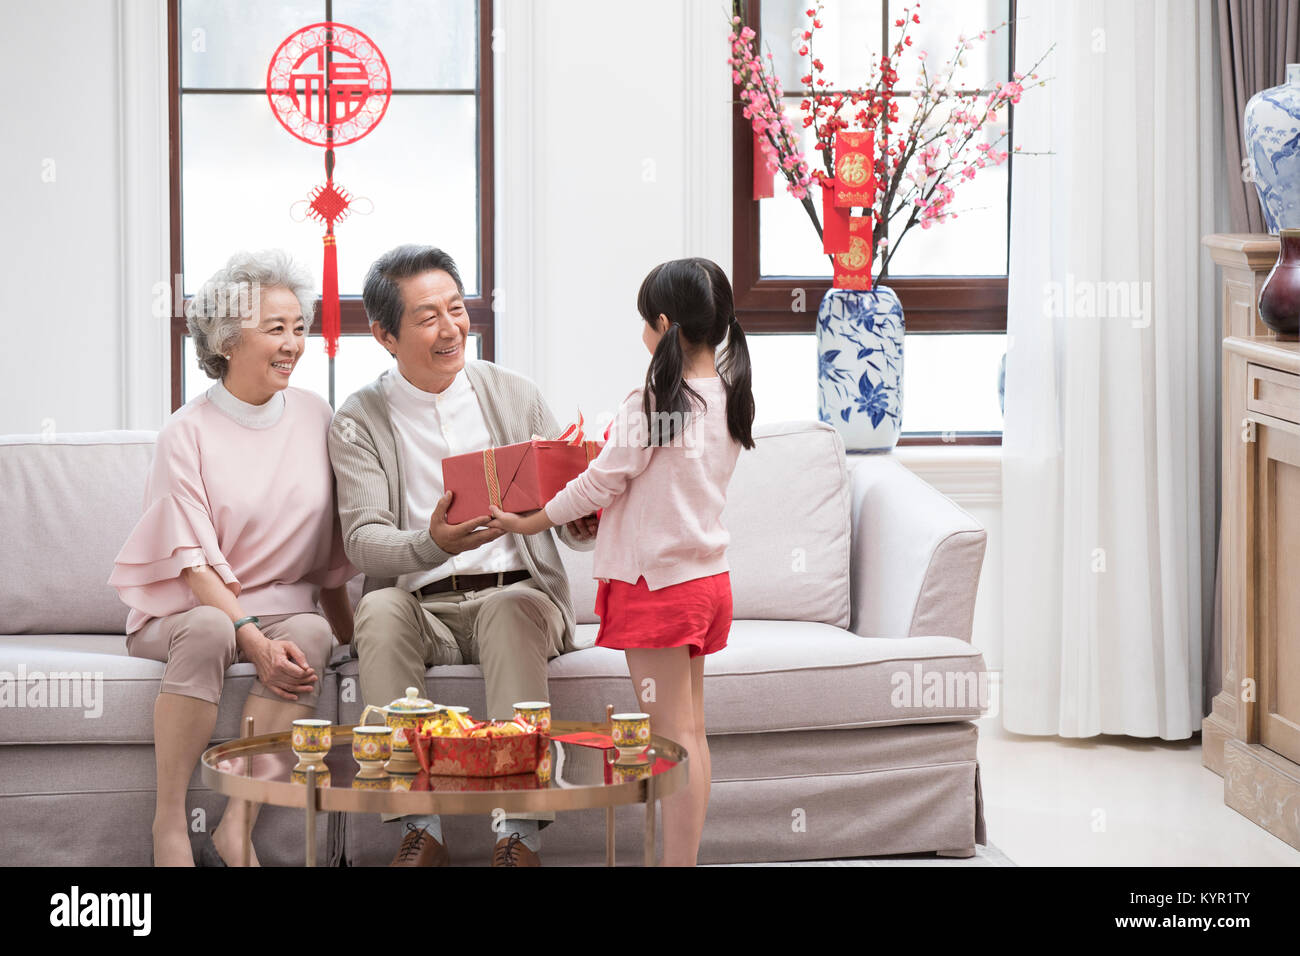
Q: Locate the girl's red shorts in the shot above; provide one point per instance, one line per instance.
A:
(694, 614)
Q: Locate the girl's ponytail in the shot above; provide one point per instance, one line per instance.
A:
(695, 296)
(737, 378)
(664, 382)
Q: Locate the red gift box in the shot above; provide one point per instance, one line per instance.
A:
(515, 478)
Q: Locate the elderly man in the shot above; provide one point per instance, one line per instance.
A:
(439, 593)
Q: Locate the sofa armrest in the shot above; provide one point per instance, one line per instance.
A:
(916, 556)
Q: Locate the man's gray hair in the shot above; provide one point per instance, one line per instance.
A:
(381, 295)
(215, 316)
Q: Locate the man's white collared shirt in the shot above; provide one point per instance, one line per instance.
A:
(430, 427)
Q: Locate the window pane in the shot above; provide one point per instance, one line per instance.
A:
(429, 44)
(974, 243)
(847, 46)
(942, 21)
(420, 168)
(785, 376)
(360, 360)
(229, 45)
(787, 242)
(242, 174)
(850, 41)
(950, 383)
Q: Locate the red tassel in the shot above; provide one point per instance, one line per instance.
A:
(330, 324)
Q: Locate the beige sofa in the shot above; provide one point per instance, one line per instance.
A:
(850, 584)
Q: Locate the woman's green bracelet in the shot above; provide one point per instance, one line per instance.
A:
(246, 620)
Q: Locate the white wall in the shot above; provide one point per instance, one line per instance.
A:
(613, 154)
(84, 224)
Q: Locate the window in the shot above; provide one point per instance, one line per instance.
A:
(423, 175)
(951, 280)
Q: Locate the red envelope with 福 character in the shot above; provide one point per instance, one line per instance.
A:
(853, 268)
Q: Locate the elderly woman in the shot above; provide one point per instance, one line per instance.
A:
(239, 538)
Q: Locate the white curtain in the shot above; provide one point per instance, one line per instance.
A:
(1105, 476)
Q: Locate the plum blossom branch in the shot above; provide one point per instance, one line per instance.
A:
(918, 167)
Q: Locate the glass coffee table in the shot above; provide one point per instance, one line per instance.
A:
(260, 769)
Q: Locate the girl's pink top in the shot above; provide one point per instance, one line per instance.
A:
(663, 504)
(246, 490)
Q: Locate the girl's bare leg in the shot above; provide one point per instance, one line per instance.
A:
(704, 767)
(671, 707)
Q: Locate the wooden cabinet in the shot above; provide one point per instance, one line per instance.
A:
(1252, 736)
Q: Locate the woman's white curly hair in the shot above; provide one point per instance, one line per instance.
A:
(218, 310)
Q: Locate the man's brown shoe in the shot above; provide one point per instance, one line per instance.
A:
(512, 852)
(419, 848)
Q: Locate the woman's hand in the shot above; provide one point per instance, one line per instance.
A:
(282, 668)
(532, 523)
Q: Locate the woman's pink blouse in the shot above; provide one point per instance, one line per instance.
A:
(255, 504)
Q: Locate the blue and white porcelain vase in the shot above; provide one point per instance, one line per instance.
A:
(860, 366)
(1273, 150)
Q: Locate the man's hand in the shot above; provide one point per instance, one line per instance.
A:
(584, 528)
(457, 538)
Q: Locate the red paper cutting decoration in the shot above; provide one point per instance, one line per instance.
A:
(329, 85)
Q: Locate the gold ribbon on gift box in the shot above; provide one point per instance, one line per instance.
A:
(490, 474)
(572, 435)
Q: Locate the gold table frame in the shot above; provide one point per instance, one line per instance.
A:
(315, 799)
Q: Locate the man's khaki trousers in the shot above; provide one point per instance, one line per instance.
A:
(510, 631)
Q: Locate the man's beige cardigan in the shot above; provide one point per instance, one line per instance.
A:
(369, 478)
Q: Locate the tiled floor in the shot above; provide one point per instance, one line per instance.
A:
(1113, 801)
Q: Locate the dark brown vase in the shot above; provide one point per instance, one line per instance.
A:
(1279, 299)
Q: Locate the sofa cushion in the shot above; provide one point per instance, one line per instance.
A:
(68, 504)
(788, 512)
(772, 676)
(103, 695)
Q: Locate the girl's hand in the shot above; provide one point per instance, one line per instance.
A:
(532, 523)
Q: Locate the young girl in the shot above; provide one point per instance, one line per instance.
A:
(661, 550)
